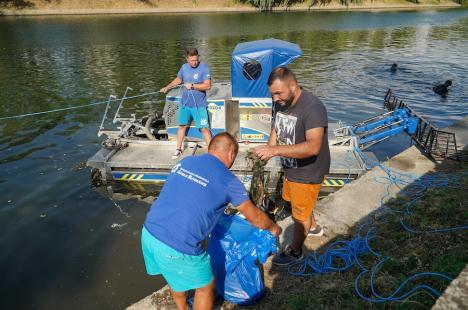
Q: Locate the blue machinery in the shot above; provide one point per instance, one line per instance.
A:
(390, 124)
(400, 118)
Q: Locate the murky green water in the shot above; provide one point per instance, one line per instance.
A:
(64, 244)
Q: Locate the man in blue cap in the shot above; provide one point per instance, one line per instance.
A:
(189, 206)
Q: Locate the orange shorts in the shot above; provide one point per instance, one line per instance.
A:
(302, 196)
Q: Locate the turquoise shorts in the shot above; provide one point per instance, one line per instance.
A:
(199, 116)
(181, 271)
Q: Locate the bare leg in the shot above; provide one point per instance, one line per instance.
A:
(301, 229)
(180, 299)
(313, 223)
(181, 135)
(206, 135)
(204, 297)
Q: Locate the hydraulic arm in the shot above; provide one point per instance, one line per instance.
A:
(400, 118)
(374, 130)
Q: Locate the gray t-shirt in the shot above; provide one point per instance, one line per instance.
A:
(291, 124)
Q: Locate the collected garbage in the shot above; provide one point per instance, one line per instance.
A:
(237, 250)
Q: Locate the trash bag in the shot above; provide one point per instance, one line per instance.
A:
(235, 246)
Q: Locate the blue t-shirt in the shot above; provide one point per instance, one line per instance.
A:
(194, 98)
(192, 201)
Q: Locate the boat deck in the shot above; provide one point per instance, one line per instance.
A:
(150, 161)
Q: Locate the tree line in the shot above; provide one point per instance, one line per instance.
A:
(268, 5)
(262, 5)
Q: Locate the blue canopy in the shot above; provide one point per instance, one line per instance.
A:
(252, 63)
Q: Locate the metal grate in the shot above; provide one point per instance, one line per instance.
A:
(436, 143)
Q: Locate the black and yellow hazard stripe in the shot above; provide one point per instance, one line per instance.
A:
(130, 177)
(334, 182)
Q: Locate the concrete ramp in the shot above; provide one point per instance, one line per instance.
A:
(345, 208)
(455, 297)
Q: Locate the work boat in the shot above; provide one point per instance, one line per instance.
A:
(140, 149)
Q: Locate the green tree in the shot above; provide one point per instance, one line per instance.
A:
(16, 3)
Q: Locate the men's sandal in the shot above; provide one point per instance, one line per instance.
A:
(287, 257)
(177, 153)
(316, 232)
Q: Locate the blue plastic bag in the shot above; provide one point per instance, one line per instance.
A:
(235, 246)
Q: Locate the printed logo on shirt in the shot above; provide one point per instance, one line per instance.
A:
(174, 169)
(285, 127)
(195, 76)
(191, 176)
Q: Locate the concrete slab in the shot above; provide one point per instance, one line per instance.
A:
(159, 300)
(455, 296)
(343, 209)
(460, 129)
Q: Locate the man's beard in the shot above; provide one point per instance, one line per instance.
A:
(288, 102)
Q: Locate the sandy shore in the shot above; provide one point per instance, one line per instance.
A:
(211, 8)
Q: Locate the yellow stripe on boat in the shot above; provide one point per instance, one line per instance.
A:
(333, 182)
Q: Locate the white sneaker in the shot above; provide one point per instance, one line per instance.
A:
(316, 232)
(177, 153)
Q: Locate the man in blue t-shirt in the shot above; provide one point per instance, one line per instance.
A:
(197, 80)
(189, 206)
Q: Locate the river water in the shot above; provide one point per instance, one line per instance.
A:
(66, 244)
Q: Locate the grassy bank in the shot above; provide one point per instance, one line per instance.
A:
(408, 254)
(27, 7)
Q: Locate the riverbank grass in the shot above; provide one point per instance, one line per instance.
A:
(408, 254)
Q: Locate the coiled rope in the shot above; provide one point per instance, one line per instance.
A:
(341, 255)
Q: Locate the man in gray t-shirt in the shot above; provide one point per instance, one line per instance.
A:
(299, 137)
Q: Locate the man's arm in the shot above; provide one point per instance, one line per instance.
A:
(272, 138)
(258, 218)
(206, 85)
(174, 82)
(308, 148)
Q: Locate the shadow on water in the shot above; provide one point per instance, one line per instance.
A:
(65, 244)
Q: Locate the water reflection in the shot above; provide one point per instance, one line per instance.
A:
(62, 241)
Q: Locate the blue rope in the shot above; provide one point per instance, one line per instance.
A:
(75, 107)
(342, 255)
(339, 256)
(397, 295)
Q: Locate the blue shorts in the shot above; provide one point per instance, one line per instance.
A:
(198, 114)
(181, 271)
